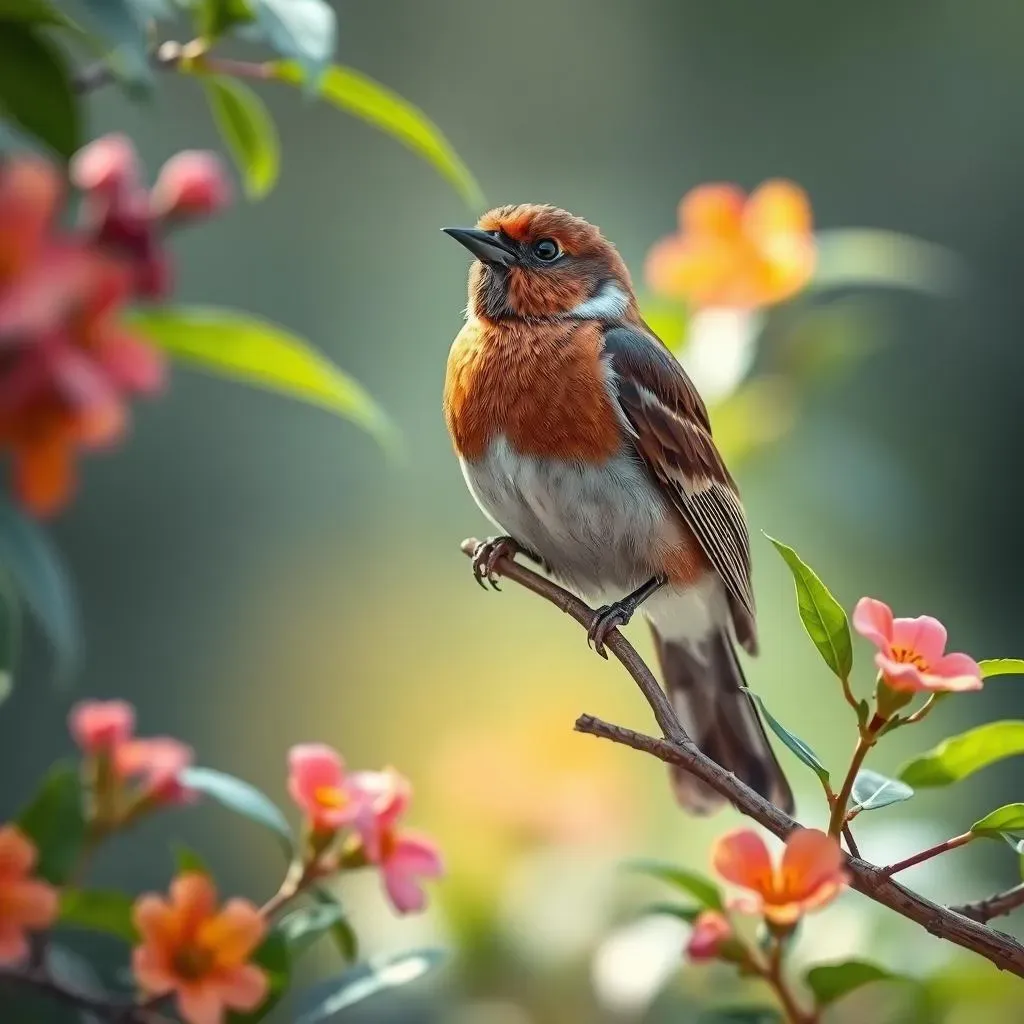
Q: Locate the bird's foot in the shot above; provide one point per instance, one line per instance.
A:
(487, 555)
(607, 618)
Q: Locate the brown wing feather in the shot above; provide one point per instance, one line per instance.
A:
(673, 436)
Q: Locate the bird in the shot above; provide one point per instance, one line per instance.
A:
(581, 437)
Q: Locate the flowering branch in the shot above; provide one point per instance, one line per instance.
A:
(678, 749)
(994, 906)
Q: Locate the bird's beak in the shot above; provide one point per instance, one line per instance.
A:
(486, 246)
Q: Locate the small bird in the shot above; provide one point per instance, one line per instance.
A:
(583, 440)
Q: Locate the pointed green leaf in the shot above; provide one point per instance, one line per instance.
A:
(243, 347)
(699, 887)
(241, 797)
(274, 957)
(822, 615)
(215, 17)
(303, 927)
(679, 910)
(872, 790)
(107, 911)
(34, 568)
(355, 93)
(1001, 667)
(797, 745)
(961, 756)
(830, 982)
(55, 821)
(35, 88)
(345, 938)
(304, 30)
(32, 12)
(359, 984)
(187, 861)
(1008, 818)
(248, 131)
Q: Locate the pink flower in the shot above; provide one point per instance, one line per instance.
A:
(26, 903)
(910, 651)
(156, 765)
(403, 856)
(98, 726)
(710, 930)
(318, 784)
(191, 184)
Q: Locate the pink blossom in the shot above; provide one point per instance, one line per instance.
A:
(98, 726)
(317, 782)
(911, 654)
(710, 930)
(156, 763)
(191, 184)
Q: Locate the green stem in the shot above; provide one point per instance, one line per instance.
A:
(838, 817)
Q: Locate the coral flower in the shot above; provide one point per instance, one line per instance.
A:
(156, 764)
(317, 782)
(911, 654)
(98, 726)
(710, 931)
(809, 876)
(26, 903)
(403, 856)
(198, 952)
(737, 251)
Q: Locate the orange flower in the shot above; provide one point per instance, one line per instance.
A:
(201, 954)
(809, 876)
(736, 251)
(25, 902)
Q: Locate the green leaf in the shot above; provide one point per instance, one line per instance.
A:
(106, 911)
(797, 745)
(304, 30)
(248, 131)
(275, 958)
(740, 1015)
(241, 797)
(679, 910)
(342, 933)
(33, 12)
(187, 861)
(215, 17)
(55, 821)
(36, 572)
(302, 928)
(701, 888)
(243, 347)
(355, 93)
(961, 756)
(1001, 667)
(1008, 818)
(35, 88)
(822, 615)
(361, 983)
(830, 982)
(872, 790)
(123, 28)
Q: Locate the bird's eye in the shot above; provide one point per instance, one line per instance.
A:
(546, 250)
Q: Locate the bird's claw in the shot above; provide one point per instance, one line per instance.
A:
(607, 618)
(486, 557)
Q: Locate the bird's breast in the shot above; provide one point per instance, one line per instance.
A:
(542, 387)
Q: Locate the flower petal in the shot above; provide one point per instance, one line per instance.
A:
(30, 190)
(959, 672)
(13, 943)
(777, 208)
(924, 636)
(99, 725)
(901, 676)
(17, 853)
(810, 860)
(194, 900)
(30, 903)
(313, 766)
(157, 923)
(416, 854)
(243, 988)
(741, 857)
(44, 470)
(873, 620)
(152, 971)
(200, 1003)
(233, 934)
(404, 891)
(712, 209)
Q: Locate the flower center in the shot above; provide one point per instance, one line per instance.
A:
(908, 656)
(192, 962)
(331, 796)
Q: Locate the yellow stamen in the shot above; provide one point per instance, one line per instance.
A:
(907, 656)
(331, 796)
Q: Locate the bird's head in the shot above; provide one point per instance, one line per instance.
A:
(539, 262)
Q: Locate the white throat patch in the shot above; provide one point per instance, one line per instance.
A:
(610, 303)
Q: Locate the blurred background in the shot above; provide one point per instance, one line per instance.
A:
(254, 573)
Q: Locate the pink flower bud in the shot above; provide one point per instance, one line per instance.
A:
(191, 184)
(710, 930)
(100, 726)
(106, 166)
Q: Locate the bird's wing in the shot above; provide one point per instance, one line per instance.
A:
(672, 433)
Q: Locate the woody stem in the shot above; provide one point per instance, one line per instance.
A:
(932, 851)
(772, 973)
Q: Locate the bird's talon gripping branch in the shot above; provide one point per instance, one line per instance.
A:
(607, 618)
(486, 557)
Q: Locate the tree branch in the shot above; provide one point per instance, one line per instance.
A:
(678, 749)
(993, 906)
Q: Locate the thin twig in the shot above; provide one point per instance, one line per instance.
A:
(932, 851)
(1002, 950)
(994, 906)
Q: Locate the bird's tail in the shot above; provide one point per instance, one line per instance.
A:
(706, 687)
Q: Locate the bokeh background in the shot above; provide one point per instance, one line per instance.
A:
(253, 573)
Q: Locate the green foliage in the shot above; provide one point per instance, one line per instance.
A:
(872, 790)
(1001, 667)
(32, 12)
(35, 88)
(740, 1015)
(355, 93)
(243, 347)
(960, 756)
(242, 798)
(822, 615)
(1008, 818)
(302, 30)
(187, 861)
(31, 565)
(248, 131)
(699, 887)
(303, 927)
(122, 26)
(275, 958)
(830, 982)
(361, 983)
(668, 320)
(55, 821)
(678, 910)
(342, 932)
(215, 17)
(797, 745)
(107, 911)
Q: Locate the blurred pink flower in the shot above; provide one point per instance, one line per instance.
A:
(155, 764)
(192, 184)
(710, 930)
(317, 782)
(911, 654)
(26, 903)
(98, 726)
